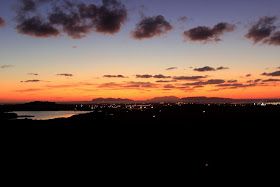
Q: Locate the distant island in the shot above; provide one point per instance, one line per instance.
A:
(111, 100)
(206, 100)
(164, 99)
(174, 99)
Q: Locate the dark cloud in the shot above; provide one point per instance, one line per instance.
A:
(271, 80)
(35, 26)
(248, 75)
(140, 84)
(29, 21)
(208, 68)
(110, 17)
(28, 5)
(165, 81)
(276, 73)
(235, 86)
(214, 81)
(257, 80)
(207, 34)
(114, 76)
(65, 74)
(168, 86)
(35, 80)
(274, 39)
(128, 85)
(74, 18)
(222, 68)
(149, 27)
(232, 81)
(243, 85)
(189, 78)
(205, 68)
(146, 76)
(171, 68)
(160, 76)
(261, 29)
(2, 22)
(6, 66)
(208, 82)
(106, 19)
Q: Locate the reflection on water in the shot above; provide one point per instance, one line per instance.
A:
(45, 115)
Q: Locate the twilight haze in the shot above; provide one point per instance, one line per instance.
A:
(77, 50)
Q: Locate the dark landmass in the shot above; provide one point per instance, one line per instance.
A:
(151, 137)
(42, 106)
(7, 116)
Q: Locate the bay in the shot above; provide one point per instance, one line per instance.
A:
(46, 115)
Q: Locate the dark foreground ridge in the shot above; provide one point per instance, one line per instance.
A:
(136, 142)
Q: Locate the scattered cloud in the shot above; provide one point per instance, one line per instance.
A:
(189, 78)
(35, 80)
(29, 90)
(2, 22)
(262, 29)
(114, 76)
(109, 85)
(168, 86)
(165, 81)
(232, 81)
(183, 19)
(6, 66)
(146, 76)
(248, 75)
(150, 27)
(271, 80)
(35, 74)
(206, 34)
(274, 74)
(63, 86)
(171, 68)
(208, 68)
(140, 84)
(65, 75)
(128, 85)
(234, 86)
(160, 76)
(74, 18)
(222, 68)
(257, 80)
(208, 82)
(205, 68)
(243, 85)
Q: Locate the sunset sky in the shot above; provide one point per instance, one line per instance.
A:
(77, 50)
